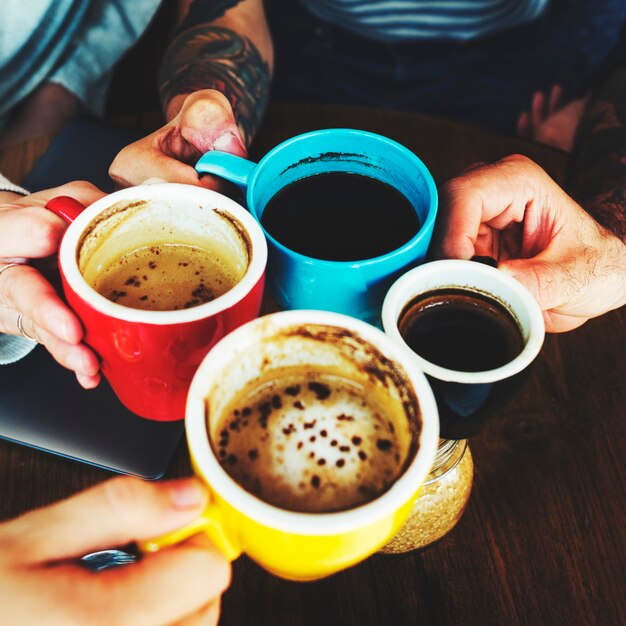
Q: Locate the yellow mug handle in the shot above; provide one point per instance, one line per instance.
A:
(210, 522)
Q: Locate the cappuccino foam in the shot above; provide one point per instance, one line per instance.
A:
(165, 277)
(309, 441)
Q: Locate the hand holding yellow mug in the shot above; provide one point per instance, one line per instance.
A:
(313, 432)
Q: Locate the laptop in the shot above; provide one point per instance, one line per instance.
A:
(41, 403)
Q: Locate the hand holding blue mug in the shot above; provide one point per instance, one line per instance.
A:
(371, 247)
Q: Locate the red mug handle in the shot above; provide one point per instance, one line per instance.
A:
(65, 207)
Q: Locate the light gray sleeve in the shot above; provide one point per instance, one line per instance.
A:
(14, 348)
(111, 28)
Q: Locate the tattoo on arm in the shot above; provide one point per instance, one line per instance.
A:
(597, 177)
(212, 57)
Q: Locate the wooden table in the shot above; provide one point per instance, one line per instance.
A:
(542, 540)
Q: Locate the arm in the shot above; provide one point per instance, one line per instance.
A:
(223, 45)
(42, 582)
(214, 84)
(598, 169)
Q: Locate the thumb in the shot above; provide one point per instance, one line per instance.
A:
(207, 122)
(551, 286)
(113, 513)
(546, 280)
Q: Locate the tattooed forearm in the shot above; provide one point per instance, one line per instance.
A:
(207, 56)
(210, 57)
(598, 169)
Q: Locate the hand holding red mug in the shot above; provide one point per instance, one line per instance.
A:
(513, 211)
(29, 305)
(151, 332)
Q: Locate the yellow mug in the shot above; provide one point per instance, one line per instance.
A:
(290, 544)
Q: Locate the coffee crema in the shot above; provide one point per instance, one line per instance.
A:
(310, 441)
(340, 216)
(461, 330)
(165, 277)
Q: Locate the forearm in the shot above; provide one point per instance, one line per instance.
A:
(223, 45)
(597, 177)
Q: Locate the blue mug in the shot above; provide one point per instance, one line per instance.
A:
(297, 281)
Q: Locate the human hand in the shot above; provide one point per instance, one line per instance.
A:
(514, 212)
(550, 123)
(205, 122)
(41, 581)
(28, 231)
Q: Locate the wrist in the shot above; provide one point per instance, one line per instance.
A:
(614, 257)
(9, 197)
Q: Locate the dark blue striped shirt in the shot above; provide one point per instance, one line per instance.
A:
(414, 20)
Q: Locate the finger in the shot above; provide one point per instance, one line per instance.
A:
(30, 232)
(554, 103)
(486, 243)
(76, 357)
(27, 291)
(213, 182)
(113, 513)
(537, 110)
(81, 190)
(559, 323)
(188, 577)
(207, 123)
(208, 615)
(144, 160)
(8, 321)
(493, 195)
(510, 242)
(523, 125)
(452, 240)
(86, 381)
(162, 588)
(27, 230)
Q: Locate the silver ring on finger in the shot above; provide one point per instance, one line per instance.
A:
(4, 269)
(20, 327)
(9, 266)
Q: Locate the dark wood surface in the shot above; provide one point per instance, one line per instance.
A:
(542, 540)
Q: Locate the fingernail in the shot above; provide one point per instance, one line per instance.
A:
(226, 141)
(75, 361)
(187, 494)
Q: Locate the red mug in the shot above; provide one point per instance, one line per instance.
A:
(149, 356)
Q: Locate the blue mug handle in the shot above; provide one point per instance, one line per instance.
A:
(225, 165)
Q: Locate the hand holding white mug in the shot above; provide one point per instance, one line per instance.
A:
(42, 581)
(205, 122)
(513, 211)
(29, 305)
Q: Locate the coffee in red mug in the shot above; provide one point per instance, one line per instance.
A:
(158, 274)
